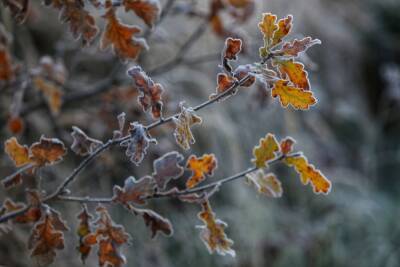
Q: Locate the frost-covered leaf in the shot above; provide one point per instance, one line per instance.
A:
(286, 145)
(134, 191)
(265, 151)
(183, 134)
(166, 168)
(148, 10)
(266, 184)
(294, 48)
(308, 173)
(82, 144)
(200, 167)
(284, 27)
(150, 92)
(268, 27)
(213, 232)
(294, 96)
(47, 151)
(295, 72)
(84, 229)
(137, 144)
(18, 153)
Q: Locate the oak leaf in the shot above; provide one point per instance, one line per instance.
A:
(166, 168)
(121, 37)
(18, 153)
(242, 72)
(183, 134)
(134, 191)
(286, 145)
(200, 167)
(265, 151)
(309, 174)
(288, 94)
(232, 48)
(148, 10)
(224, 83)
(82, 144)
(213, 232)
(84, 229)
(294, 48)
(137, 144)
(284, 27)
(266, 184)
(150, 92)
(295, 72)
(267, 27)
(47, 151)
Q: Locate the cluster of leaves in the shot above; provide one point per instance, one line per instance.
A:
(277, 68)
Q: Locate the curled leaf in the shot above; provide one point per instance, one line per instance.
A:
(150, 92)
(284, 27)
(18, 153)
(82, 144)
(200, 167)
(148, 10)
(286, 145)
(232, 48)
(121, 37)
(266, 184)
(224, 82)
(134, 191)
(137, 144)
(265, 151)
(288, 94)
(243, 71)
(47, 151)
(183, 134)
(166, 168)
(84, 229)
(293, 49)
(308, 173)
(213, 232)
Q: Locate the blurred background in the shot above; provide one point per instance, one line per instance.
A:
(351, 135)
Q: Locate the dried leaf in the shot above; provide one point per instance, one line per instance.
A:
(224, 82)
(82, 144)
(284, 26)
(121, 37)
(134, 191)
(47, 151)
(298, 98)
(265, 151)
(268, 27)
(308, 173)
(166, 168)
(32, 215)
(81, 23)
(213, 234)
(200, 167)
(183, 134)
(18, 153)
(242, 71)
(232, 48)
(296, 73)
(266, 184)
(286, 145)
(154, 221)
(19, 9)
(148, 10)
(45, 240)
(150, 92)
(52, 92)
(84, 229)
(137, 144)
(296, 47)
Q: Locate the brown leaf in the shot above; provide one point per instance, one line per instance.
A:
(166, 168)
(286, 145)
(47, 151)
(134, 191)
(19, 9)
(150, 92)
(7, 71)
(148, 10)
(296, 47)
(200, 167)
(242, 71)
(52, 92)
(15, 124)
(137, 144)
(82, 144)
(32, 215)
(81, 23)
(45, 240)
(232, 48)
(213, 232)
(121, 37)
(183, 134)
(224, 82)
(84, 229)
(18, 153)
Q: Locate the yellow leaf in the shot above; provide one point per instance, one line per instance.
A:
(308, 173)
(183, 134)
(18, 153)
(265, 151)
(284, 26)
(266, 184)
(200, 166)
(268, 27)
(295, 71)
(298, 98)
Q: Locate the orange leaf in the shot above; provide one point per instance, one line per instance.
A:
(266, 184)
(295, 71)
(15, 124)
(18, 153)
(134, 190)
(213, 232)
(298, 98)
(47, 151)
(232, 48)
(268, 27)
(45, 240)
(284, 26)
(150, 92)
(308, 173)
(6, 66)
(224, 82)
(183, 134)
(52, 92)
(148, 10)
(121, 37)
(199, 167)
(286, 145)
(84, 230)
(265, 151)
